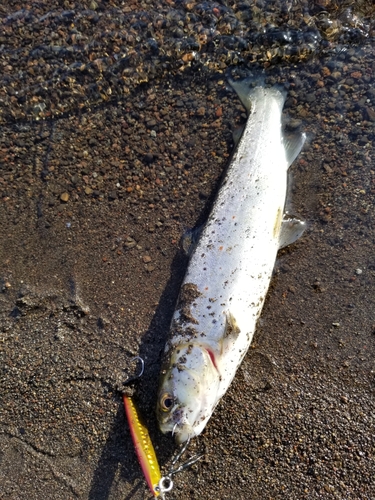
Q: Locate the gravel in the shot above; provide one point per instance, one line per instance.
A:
(87, 195)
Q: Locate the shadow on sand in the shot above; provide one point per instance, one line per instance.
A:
(118, 451)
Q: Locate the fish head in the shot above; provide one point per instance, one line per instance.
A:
(188, 391)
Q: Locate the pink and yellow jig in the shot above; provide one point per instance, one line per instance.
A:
(143, 447)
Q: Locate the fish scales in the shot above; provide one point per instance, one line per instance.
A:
(229, 271)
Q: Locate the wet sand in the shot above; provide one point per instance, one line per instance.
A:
(92, 207)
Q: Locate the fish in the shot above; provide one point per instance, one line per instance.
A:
(230, 268)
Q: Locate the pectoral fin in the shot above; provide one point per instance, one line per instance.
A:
(231, 328)
(291, 229)
(226, 342)
(230, 334)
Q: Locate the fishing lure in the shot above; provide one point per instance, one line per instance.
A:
(143, 444)
(144, 449)
(158, 484)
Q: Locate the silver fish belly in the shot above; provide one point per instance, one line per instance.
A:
(230, 269)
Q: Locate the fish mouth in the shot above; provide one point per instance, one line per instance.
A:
(182, 432)
(179, 426)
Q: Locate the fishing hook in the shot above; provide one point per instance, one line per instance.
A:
(135, 377)
(166, 483)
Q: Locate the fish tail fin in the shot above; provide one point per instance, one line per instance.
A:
(251, 89)
(248, 90)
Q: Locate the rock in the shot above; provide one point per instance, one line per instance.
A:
(369, 114)
(64, 197)
(149, 158)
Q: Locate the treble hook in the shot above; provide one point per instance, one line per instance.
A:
(187, 463)
(135, 377)
(166, 482)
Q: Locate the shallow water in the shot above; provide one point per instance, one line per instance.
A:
(66, 60)
(96, 188)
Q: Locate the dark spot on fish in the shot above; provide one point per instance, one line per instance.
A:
(188, 293)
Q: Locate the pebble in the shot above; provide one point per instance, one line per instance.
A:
(310, 97)
(294, 124)
(130, 243)
(64, 197)
(149, 158)
(146, 259)
(370, 114)
(336, 75)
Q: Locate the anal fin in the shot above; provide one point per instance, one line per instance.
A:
(293, 146)
(292, 228)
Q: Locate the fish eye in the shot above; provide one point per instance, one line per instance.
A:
(166, 402)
